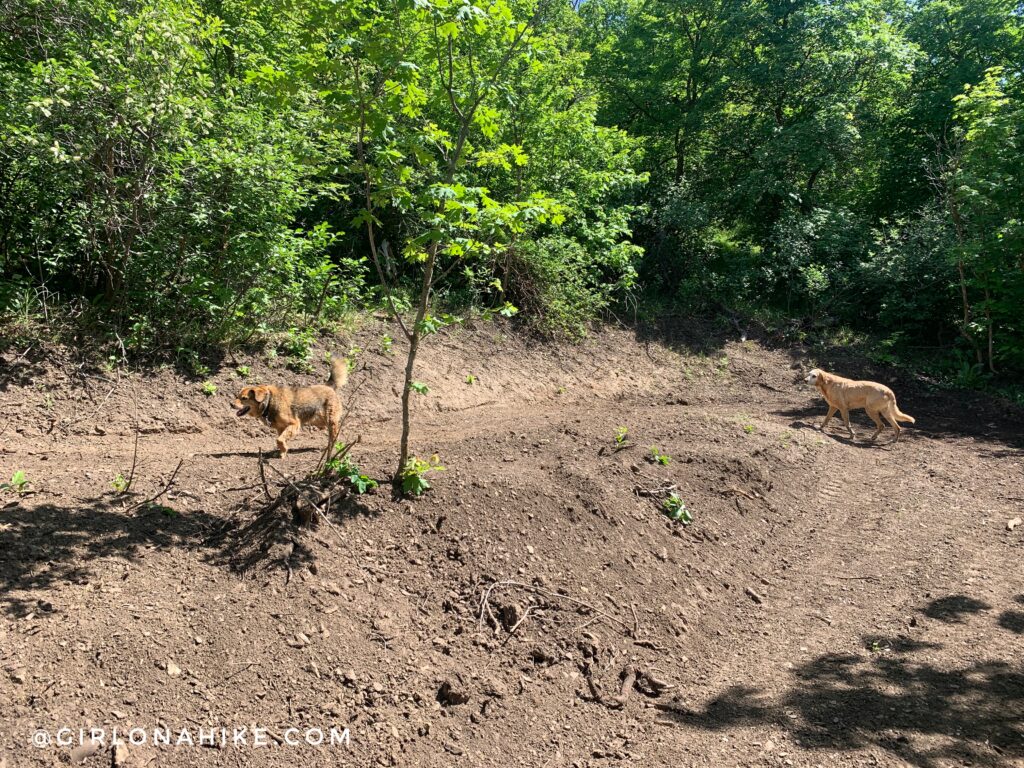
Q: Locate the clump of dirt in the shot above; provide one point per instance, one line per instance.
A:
(831, 601)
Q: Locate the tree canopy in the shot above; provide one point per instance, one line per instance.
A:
(181, 174)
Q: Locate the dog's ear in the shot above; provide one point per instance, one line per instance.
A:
(247, 394)
(261, 395)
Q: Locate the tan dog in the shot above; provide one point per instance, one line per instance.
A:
(287, 409)
(843, 395)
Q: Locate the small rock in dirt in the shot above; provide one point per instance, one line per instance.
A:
(492, 686)
(754, 595)
(452, 693)
(1011, 524)
(350, 677)
(173, 670)
(19, 676)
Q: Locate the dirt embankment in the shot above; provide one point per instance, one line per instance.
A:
(832, 603)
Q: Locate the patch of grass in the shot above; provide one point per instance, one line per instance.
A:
(471, 379)
(242, 371)
(749, 429)
(208, 388)
(120, 483)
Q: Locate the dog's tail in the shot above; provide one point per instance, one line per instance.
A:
(901, 416)
(339, 373)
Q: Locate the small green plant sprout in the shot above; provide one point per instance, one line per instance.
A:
(386, 344)
(347, 470)
(657, 457)
(419, 386)
(414, 474)
(676, 510)
(209, 388)
(621, 436)
(433, 323)
(749, 429)
(560, 391)
(19, 483)
(471, 379)
(242, 371)
(120, 483)
(352, 358)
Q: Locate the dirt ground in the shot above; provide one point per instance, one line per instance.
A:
(833, 603)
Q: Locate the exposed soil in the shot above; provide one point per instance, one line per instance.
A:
(832, 603)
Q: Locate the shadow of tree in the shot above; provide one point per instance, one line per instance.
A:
(851, 701)
(953, 608)
(1013, 621)
(940, 412)
(893, 699)
(46, 545)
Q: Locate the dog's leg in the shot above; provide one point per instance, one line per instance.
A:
(895, 426)
(878, 425)
(828, 417)
(333, 430)
(287, 434)
(846, 420)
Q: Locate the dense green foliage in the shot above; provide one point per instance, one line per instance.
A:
(184, 173)
(854, 163)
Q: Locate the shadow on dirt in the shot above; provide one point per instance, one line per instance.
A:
(810, 418)
(45, 546)
(892, 699)
(954, 609)
(995, 424)
(260, 455)
(273, 538)
(1013, 621)
(682, 333)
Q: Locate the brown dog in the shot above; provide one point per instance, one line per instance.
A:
(287, 409)
(845, 394)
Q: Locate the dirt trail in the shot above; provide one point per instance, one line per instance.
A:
(833, 603)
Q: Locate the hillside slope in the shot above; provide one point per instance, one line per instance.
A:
(833, 603)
